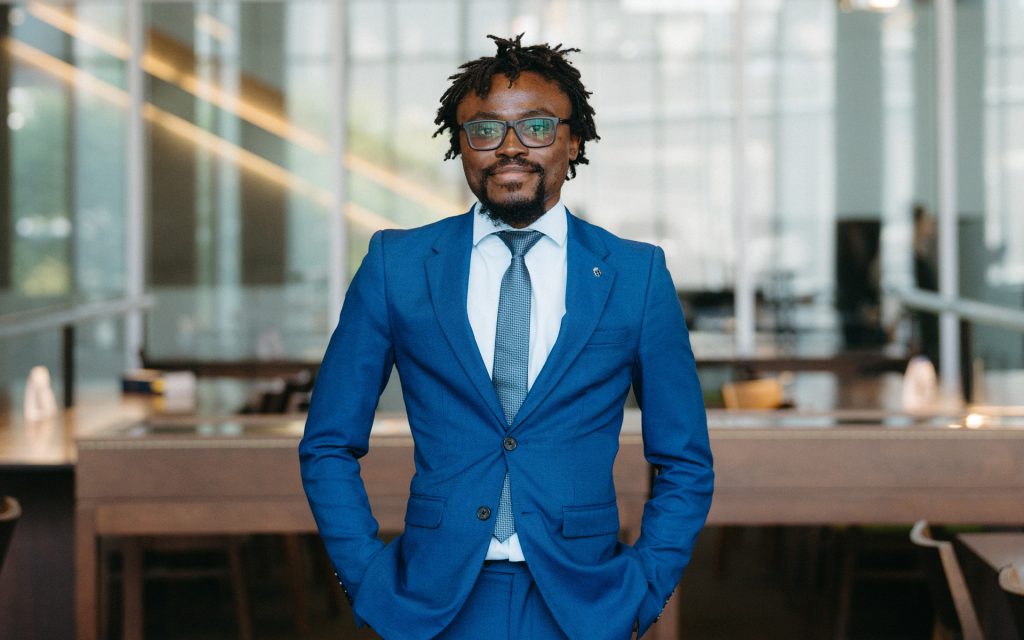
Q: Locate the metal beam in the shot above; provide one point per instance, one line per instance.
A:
(135, 185)
(949, 263)
(744, 282)
(338, 242)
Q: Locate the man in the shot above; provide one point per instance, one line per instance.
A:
(517, 330)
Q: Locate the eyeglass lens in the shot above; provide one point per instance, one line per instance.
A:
(489, 134)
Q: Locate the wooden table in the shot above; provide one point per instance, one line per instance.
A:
(983, 555)
(238, 476)
(856, 467)
(183, 477)
(37, 466)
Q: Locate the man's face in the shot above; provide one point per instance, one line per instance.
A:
(516, 183)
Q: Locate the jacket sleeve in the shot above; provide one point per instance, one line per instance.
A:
(355, 369)
(675, 442)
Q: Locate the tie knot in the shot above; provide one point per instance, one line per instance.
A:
(519, 242)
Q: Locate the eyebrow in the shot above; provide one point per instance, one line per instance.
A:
(491, 115)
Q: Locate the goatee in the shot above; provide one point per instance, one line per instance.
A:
(520, 211)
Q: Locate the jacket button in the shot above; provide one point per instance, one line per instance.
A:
(509, 443)
(483, 513)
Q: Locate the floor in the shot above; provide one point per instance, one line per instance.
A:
(763, 583)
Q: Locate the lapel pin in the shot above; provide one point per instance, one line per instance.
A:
(597, 272)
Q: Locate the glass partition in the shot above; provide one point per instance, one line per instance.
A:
(238, 121)
(662, 88)
(992, 227)
(98, 357)
(62, 214)
(838, 151)
(61, 154)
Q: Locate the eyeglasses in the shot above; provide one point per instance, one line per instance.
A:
(536, 131)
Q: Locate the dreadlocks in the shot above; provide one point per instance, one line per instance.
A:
(511, 60)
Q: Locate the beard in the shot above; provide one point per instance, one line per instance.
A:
(521, 209)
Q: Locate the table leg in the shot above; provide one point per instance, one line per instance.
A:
(85, 574)
(133, 587)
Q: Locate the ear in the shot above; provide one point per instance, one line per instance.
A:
(574, 146)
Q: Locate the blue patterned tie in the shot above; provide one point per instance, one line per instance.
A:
(510, 372)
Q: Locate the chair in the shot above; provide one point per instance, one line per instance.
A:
(10, 511)
(135, 573)
(955, 616)
(753, 394)
(1011, 579)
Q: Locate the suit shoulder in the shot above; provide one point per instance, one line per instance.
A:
(402, 240)
(618, 245)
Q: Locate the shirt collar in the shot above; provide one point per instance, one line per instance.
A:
(554, 224)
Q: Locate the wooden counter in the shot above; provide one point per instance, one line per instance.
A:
(240, 475)
(181, 477)
(783, 467)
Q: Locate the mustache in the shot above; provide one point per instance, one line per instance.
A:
(507, 162)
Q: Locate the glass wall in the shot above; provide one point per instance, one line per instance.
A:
(661, 77)
(992, 235)
(61, 156)
(238, 158)
(62, 214)
(839, 148)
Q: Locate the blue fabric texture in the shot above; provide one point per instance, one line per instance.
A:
(622, 329)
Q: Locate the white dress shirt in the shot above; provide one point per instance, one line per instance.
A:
(546, 262)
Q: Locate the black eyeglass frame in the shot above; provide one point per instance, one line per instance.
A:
(511, 124)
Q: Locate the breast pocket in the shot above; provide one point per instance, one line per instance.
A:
(608, 337)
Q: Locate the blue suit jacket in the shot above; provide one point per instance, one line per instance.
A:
(406, 307)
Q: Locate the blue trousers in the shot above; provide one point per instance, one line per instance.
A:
(505, 604)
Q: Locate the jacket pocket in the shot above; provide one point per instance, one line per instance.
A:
(424, 511)
(591, 520)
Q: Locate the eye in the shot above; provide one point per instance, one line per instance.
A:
(486, 129)
(537, 127)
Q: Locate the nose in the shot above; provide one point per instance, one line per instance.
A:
(511, 145)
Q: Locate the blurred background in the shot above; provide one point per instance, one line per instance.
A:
(838, 186)
(231, 165)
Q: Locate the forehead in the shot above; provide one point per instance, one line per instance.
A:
(530, 93)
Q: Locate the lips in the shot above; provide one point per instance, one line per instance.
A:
(512, 169)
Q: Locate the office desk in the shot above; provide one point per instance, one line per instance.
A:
(183, 477)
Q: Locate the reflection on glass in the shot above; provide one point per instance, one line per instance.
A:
(662, 88)
(992, 263)
(240, 167)
(61, 160)
(841, 110)
(229, 429)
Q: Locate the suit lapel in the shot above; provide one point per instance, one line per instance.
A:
(448, 279)
(586, 293)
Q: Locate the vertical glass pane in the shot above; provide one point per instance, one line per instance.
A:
(98, 362)
(396, 176)
(992, 227)
(238, 116)
(791, 165)
(661, 77)
(61, 209)
(62, 216)
(884, 63)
